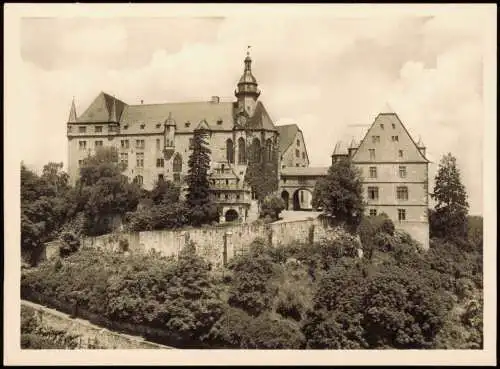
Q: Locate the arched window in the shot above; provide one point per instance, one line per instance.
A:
(242, 151)
(256, 150)
(269, 149)
(229, 150)
(177, 164)
(139, 180)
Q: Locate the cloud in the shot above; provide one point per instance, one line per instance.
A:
(323, 73)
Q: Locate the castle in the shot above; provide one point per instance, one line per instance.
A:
(154, 141)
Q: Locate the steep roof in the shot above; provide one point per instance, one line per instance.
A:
(387, 125)
(287, 134)
(100, 109)
(340, 148)
(261, 119)
(304, 171)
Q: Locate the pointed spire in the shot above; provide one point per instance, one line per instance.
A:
(72, 112)
(420, 143)
(112, 117)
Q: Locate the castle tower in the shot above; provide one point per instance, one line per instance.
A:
(247, 92)
(72, 112)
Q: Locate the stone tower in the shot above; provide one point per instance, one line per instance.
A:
(247, 91)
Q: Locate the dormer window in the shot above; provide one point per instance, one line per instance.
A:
(395, 138)
(143, 125)
(187, 124)
(158, 125)
(382, 125)
(219, 121)
(125, 126)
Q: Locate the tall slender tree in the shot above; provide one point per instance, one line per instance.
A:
(201, 208)
(450, 216)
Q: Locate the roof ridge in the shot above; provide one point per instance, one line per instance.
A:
(182, 102)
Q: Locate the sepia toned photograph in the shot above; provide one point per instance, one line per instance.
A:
(228, 179)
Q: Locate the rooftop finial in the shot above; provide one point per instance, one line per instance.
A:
(248, 50)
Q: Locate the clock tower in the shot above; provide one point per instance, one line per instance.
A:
(247, 91)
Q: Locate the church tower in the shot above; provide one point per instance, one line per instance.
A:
(247, 92)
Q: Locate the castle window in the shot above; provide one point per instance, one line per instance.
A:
(400, 153)
(124, 144)
(82, 129)
(158, 125)
(298, 142)
(177, 164)
(229, 151)
(401, 214)
(395, 138)
(82, 145)
(372, 154)
(139, 180)
(402, 193)
(98, 129)
(219, 121)
(242, 154)
(98, 144)
(70, 128)
(382, 125)
(124, 159)
(297, 153)
(227, 182)
(140, 144)
(303, 156)
(157, 144)
(269, 149)
(143, 125)
(237, 197)
(402, 172)
(160, 178)
(125, 126)
(393, 126)
(187, 124)
(160, 163)
(373, 212)
(373, 172)
(226, 197)
(375, 139)
(177, 177)
(191, 143)
(80, 163)
(373, 193)
(140, 159)
(256, 150)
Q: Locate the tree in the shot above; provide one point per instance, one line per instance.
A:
(272, 206)
(201, 208)
(103, 191)
(340, 193)
(44, 208)
(450, 216)
(263, 175)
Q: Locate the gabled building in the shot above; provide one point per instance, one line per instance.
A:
(154, 141)
(395, 174)
(292, 145)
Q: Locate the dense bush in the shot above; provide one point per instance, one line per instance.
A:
(271, 207)
(252, 271)
(176, 296)
(70, 244)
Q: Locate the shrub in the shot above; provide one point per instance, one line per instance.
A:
(271, 207)
(70, 244)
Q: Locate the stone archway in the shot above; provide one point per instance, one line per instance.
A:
(231, 215)
(302, 199)
(286, 198)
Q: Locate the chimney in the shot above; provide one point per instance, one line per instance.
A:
(215, 99)
(142, 102)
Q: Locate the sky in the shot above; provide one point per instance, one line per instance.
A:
(325, 73)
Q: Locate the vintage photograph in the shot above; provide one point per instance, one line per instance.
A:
(249, 181)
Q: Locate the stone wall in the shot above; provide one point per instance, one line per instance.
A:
(216, 244)
(88, 332)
